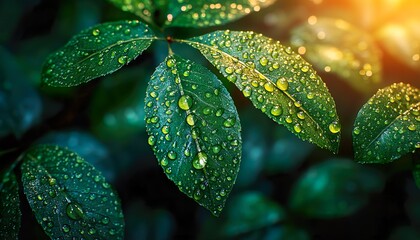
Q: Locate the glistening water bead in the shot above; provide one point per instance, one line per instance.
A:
(185, 102)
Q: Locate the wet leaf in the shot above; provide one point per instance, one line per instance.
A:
(194, 130)
(142, 8)
(334, 45)
(10, 215)
(87, 147)
(206, 13)
(116, 116)
(20, 104)
(69, 197)
(334, 188)
(95, 52)
(388, 125)
(277, 81)
(245, 214)
(401, 39)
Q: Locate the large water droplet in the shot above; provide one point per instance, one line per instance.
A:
(95, 32)
(74, 211)
(66, 228)
(185, 102)
(334, 127)
(282, 84)
(200, 160)
(229, 122)
(276, 111)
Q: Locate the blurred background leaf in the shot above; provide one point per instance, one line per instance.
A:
(20, 104)
(334, 188)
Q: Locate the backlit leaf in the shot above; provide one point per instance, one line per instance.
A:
(142, 8)
(10, 215)
(277, 81)
(194, 130)
(388, 125)
(334, 45)
(95, 52)
(334, 188)
(205, 13)
(402, 40)
(69, 197)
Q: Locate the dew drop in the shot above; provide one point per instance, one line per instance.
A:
(282, 84)
(412, 127)
(263, 61)
(95, 32)
(66, 228)
(200, 160)
(229, 122)
(170, 63)
(172, 155)
(122, 60)
(151, 140)
(185, 102)
(334, 127)
(301, 115)
(74, 211)
(276, 111)
(297, 128)
(190, 120)
(356, 130)
(269, 87)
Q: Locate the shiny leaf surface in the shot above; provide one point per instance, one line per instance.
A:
(388, 125)
(206, 13)
(10, 215)
(277, 81)
(334, 45)
(69, 197)
(142, 8)
(194, 130)
(95, 52)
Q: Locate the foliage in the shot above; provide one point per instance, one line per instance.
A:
(184, 99)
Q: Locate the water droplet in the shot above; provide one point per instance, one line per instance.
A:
(200, 160)
(305, 68)
(170, 63)
(269, 87)
(216, 149)
(282, 84)
(197, 195)
(66, 228)
(334, 127)
(190, 120)
(356, 131)
(165, 129)
(247, 91)
(301, 115)
(172, 155)
(263, 61)
(185, 102)
(95, 32)
(52, 181)
(74, 211)
(412, 127)
(122, 60)
(276, 111)
(151, 140)
(229, 122)
(297, 128)
(229, 70)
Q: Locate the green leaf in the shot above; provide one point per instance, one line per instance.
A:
(87, 147)
(69, 197)
(277, 81)
(246, 213)
(334, 188)
(336, 46)
(10, 215)
(97, 51)
(206, 13)
(388, 125)
(194, 131)
(142, 8)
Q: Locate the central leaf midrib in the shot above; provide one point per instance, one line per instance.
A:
(258, 72)
(386, 128)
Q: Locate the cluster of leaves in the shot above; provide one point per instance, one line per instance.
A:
(194, 128)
